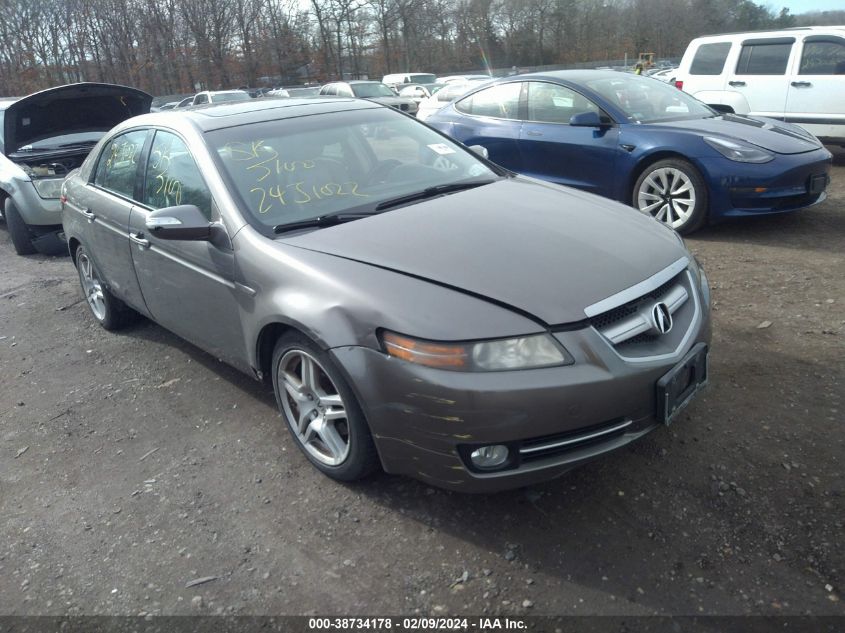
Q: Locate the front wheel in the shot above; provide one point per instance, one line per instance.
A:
(673, 192)
(18, 230)
(321, 411)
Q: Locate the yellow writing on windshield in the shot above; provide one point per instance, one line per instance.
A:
(300, 193)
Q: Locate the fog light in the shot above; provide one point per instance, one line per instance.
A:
(489, 456)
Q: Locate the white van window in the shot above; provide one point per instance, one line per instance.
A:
(710, 59)
(823, 58)
(763, 59)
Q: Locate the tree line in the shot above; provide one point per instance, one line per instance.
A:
(174, 46)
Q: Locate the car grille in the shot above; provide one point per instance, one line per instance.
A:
(630, 327)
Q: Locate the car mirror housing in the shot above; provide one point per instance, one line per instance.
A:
(183, 222)
(586, 119)
(480, 150)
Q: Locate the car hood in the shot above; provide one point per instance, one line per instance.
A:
(775, 136)
(532, 246)
(82, 107)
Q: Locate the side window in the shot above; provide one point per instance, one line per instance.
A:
(329, 90)
(344, 91)
(201, 99)
(550, 103)
(500, 101)
(117, 167)
(823, 58)
(710, 59)
(173, 177)
(763, 59)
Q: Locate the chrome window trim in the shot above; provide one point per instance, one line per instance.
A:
(637, 290)
(575, 440)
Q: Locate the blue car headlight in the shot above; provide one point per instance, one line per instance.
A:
(739, 151)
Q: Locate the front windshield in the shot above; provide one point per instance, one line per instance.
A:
(306, 167)
(647, 100)
(368, 91)
(64, 141)
(230, 96)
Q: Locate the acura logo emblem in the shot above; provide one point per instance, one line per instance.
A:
(661, 318)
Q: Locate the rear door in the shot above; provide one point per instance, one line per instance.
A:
(492, 119)
(760, 74)
(187, 285)
(552, 149)
(106, 203)
(816, 97)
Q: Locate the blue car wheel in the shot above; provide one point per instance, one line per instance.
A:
(673, 192)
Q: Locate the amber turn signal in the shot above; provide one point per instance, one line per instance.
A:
(425, 353)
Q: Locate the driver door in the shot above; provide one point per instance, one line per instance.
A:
(188, 286)
(552, 149)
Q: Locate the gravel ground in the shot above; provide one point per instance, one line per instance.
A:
(133, 464)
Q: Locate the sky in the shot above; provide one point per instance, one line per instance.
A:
(802, 6)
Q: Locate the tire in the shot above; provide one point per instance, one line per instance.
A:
(321, 411)
(18, 230)
(109, 311)
(673, 192)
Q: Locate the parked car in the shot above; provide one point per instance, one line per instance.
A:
(463, 78)
(641, 141)
(400, 310)
(418, 92)
(45, 136)
(304, 91)
(169, 105)
(795, 75)
(665, 74)
(219, 96)
(372, 90)
(442, 97)
(184, 103)
(396, 80)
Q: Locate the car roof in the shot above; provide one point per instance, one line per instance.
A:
(575, 76)
(218, 116)
(774, 32)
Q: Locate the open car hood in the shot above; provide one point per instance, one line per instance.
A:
(82, 107)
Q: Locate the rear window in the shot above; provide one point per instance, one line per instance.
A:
(823, 58)
(763, 59)
(710, 59)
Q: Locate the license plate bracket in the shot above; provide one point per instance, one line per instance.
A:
(818, 183)
(678, 386)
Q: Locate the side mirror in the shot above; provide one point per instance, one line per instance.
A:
(185, 222)
(586, 119)
(480, 150)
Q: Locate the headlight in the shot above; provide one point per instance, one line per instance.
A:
(703, 282)
(524, 352)
(48, 187)
(738, 151)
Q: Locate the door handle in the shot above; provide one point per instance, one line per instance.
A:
(138, 238)
(89, 215)
(800, 84)
(533, 133)
(736, 83)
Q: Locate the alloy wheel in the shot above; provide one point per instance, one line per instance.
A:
(668, 194)
(313, 407)
(91, 286)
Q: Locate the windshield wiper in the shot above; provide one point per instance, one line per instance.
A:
(431, 192)
(320, 221)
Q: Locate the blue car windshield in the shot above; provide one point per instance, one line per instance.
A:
(646, 100)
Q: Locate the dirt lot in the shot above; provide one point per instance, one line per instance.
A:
(132, 464)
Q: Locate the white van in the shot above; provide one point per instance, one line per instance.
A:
(397, 79)
(795, 75)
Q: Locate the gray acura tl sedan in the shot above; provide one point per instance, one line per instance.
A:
(415, 307)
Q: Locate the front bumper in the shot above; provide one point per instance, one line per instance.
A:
(424, 419)
(788, 183)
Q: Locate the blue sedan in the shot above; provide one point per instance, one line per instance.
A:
(642, 142)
